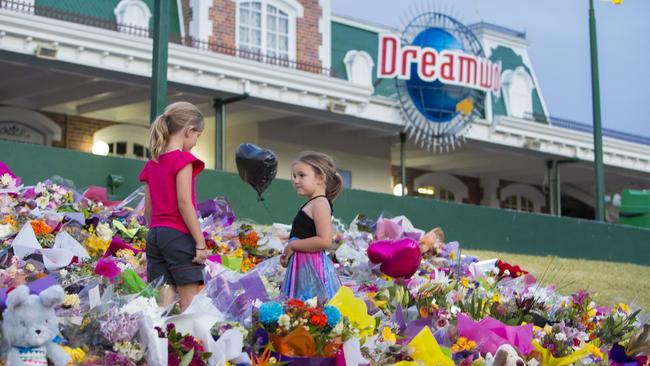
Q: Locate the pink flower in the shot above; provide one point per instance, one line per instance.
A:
(107, 268)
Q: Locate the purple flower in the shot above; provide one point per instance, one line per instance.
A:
(580, 297)
(170, 326)
(116, 359)
(119, 327)
(188, 342)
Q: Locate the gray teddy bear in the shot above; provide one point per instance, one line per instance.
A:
(31, 328)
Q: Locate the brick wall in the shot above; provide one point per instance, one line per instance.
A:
(308, 36)
(76, 131)
(223, 16)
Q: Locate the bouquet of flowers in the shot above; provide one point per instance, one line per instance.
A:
(183, 348)
(248, 236)
(304, 329)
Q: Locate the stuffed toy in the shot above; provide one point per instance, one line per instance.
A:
(506, 355)
(431, 243)
(31, 328)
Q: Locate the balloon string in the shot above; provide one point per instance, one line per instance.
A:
(267, 210)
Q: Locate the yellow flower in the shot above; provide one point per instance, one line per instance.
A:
(71, 300)
(388, 335)
(77, 355)
(596, 352)
(452, 255)
(624, 308)
(96, 246)
(591, 312)
(239, 252)
(465, 282)
(124, 253)
(496, 297)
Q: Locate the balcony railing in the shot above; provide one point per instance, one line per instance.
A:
(93, 21)
(583, 127)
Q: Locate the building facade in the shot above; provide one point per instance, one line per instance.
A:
(75, 75)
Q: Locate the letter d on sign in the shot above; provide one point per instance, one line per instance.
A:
(388, 47)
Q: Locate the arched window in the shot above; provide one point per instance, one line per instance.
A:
(132, 16)
(268, 27)
(125, 140)
(518, 89)
(23, 125)
(358, 66)
(522, 197)
(441, 186)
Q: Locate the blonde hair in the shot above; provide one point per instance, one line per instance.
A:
(176, 117)
(323, 165)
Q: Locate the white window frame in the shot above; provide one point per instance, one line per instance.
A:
(293, 9)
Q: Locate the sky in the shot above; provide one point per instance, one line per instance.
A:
(558, 35)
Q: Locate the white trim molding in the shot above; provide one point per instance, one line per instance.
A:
(517, 92)
(446, 181)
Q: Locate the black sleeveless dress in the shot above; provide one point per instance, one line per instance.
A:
(303, 226)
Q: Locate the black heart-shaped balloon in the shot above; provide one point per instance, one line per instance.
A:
(256, 166)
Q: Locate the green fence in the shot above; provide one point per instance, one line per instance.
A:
(474, 226)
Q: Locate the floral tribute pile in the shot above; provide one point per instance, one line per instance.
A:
(452, 309)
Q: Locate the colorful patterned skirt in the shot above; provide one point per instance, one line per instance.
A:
(311, 275)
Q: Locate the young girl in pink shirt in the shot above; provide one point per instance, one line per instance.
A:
(176, 249)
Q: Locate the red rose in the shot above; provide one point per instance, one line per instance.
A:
(319, 320)
(295, 303)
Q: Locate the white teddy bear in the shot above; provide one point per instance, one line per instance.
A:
(506, 355)
(31, 328)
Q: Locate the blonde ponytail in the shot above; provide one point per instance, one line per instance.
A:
(159, 136)
(177, 117)
(323, 165)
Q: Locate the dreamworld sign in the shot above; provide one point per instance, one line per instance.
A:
(451, 67)
(442, 77)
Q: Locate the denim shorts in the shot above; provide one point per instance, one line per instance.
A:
(169, 255)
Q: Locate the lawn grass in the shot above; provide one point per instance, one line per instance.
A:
(610, 282)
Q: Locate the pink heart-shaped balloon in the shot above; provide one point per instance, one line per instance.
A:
(398, 258)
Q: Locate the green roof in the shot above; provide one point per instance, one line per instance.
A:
(346, 38)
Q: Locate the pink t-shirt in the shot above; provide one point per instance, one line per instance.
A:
(161, 178)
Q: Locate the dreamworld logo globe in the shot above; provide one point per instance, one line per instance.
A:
(442, 76)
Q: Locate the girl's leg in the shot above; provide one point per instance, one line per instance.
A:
(187, 293)
(167, 295)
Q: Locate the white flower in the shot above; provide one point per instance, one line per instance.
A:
(63, 272)
(5, 230)
(104, 231)
(123, 266)
(284, 321)
(141, 304)
(42, 201)
(312, 302)
(454, 310)
(560, 337)
(6, 180)
(40, 188)
(338, 329)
